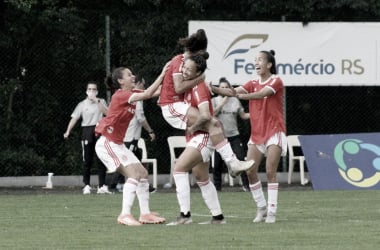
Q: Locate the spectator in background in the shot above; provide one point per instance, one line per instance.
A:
(91, 110)
(268, 132)
(133, 135)
(227, 109)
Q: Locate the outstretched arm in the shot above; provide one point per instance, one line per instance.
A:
(149, 92)
(266, 91)
(222, 91)
(181, 86)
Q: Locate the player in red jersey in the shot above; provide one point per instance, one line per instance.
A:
(198, 151)
(268, 133)
(181, 115)
(111, 149)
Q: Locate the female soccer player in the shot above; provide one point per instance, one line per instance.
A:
(198, 150)
(181, 115)
(115, 155)
(267, 130)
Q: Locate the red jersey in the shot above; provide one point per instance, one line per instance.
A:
(119, 115)
(168, 94)
(196, 96)
(266, 114)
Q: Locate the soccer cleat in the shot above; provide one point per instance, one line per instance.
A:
(151, 219)
(128, 220)
(213, 221)
(181, 220)
(151, 189)
(236, 167)
(271, 218)
(261, 213)
(87, 189)
(104, 190)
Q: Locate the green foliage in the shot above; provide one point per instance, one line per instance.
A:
(21, 162)
(61, 46)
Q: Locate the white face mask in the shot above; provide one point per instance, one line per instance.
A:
(92, 93)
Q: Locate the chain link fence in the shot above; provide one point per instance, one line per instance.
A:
(42, 83)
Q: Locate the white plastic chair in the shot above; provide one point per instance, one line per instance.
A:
(293, 141)
(141, 144)
(174, 142)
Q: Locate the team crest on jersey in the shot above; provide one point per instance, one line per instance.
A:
(110, 130)
(131, 110)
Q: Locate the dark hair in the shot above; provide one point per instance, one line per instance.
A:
(92, 82)
(223, 79)
(200, 60)
(270, 57)
(139, 78)
(112, 80)
(195, 42)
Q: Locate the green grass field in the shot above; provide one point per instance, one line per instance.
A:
(306, 219)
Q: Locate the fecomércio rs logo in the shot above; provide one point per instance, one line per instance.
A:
(255, 40)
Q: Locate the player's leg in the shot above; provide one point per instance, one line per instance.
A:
(222, 146)
(209, 193)
(255, 185)
(189, 158)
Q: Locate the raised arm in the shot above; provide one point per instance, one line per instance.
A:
(149, 92)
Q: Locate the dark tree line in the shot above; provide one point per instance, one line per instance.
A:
(49, 50)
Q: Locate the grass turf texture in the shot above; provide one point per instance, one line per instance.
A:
(306, 219)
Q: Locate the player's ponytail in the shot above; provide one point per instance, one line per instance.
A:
(270, 57)
(111, 81)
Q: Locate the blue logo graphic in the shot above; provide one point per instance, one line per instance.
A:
(254, 37)
(344, 153)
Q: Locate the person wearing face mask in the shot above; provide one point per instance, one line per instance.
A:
(90, 110)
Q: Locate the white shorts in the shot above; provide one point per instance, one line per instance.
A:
(278, 139)
(203, 144)
(175, 114)
(113, 155)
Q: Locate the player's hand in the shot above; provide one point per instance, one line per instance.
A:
(190, 130)
(66, 135)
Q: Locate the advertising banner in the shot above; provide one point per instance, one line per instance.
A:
(343, 161)
(315, 54)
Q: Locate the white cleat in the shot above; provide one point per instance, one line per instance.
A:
(261, 213)
(87, 189)
(271, 218)
(236, 167)
(103, 190)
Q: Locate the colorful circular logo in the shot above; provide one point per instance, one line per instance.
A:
(347, 169)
